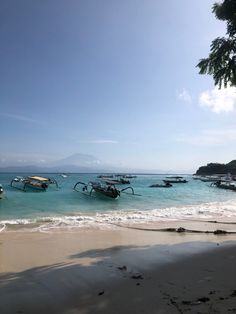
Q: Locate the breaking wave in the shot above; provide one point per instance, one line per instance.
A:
(214, 210)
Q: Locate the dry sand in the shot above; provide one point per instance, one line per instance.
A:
(117, 271)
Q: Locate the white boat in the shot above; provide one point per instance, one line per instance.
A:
(195, 177)
(210, 179)
(175, 179)
(63, 175)
(1, 192)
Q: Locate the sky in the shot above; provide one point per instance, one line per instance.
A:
(116, 79)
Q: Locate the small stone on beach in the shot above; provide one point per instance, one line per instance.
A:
(203, 299)
(137, 276)
(101, 292)
(218, 231)
(196, 302)
(186, 302)
(181, 229)
(122, 267)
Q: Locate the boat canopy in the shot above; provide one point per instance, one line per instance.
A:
(38, 178)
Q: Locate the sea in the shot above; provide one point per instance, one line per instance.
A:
(63, 207)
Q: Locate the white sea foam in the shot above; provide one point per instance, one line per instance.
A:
(3, 226)
(213, 210)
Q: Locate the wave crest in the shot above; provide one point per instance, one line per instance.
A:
(215, 210)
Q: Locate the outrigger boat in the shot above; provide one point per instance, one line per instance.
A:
(176, 179)
(108, 190)
(121, 177)
(115, 181)
(166, 185)
(101, 176)
(126, 176)
(34, 182)
(226, 185)
(1, 192)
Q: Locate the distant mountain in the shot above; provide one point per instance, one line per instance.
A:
(217, 168)
(76, 163)
(25, 169)
(79, 160)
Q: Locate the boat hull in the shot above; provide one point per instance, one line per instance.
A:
(38, 187)
(175, 181)
(111, 194)
(225, 186)
(168, 185)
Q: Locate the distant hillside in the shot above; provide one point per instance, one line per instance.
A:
(76, 163)
(217, 168)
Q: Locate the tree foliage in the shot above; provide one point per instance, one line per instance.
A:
(221, 62)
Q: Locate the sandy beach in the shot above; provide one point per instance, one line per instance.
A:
(118, 270)
(117, 160)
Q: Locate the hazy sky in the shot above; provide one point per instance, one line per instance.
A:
(116, 79)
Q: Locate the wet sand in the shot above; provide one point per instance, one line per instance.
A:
(118, 271)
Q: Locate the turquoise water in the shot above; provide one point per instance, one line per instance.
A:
(63, 206)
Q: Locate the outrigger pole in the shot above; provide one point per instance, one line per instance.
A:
(130, 187)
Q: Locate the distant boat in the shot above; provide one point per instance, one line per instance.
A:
(107, 180)
(129, 176)
(101, 176)
(210, 179)
(126, 176)
(195, 177)
(1, 192)
(113, 176)
(32, 182)
(63, 175)
(166, 185)
(175, 179)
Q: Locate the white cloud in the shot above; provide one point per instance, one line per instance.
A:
(210, 137)
(219, 100)
(42, 161)
(22, 161)
(184, 95)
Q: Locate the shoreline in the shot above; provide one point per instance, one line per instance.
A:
(223, 212)
(75, 224)
(117, 270)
